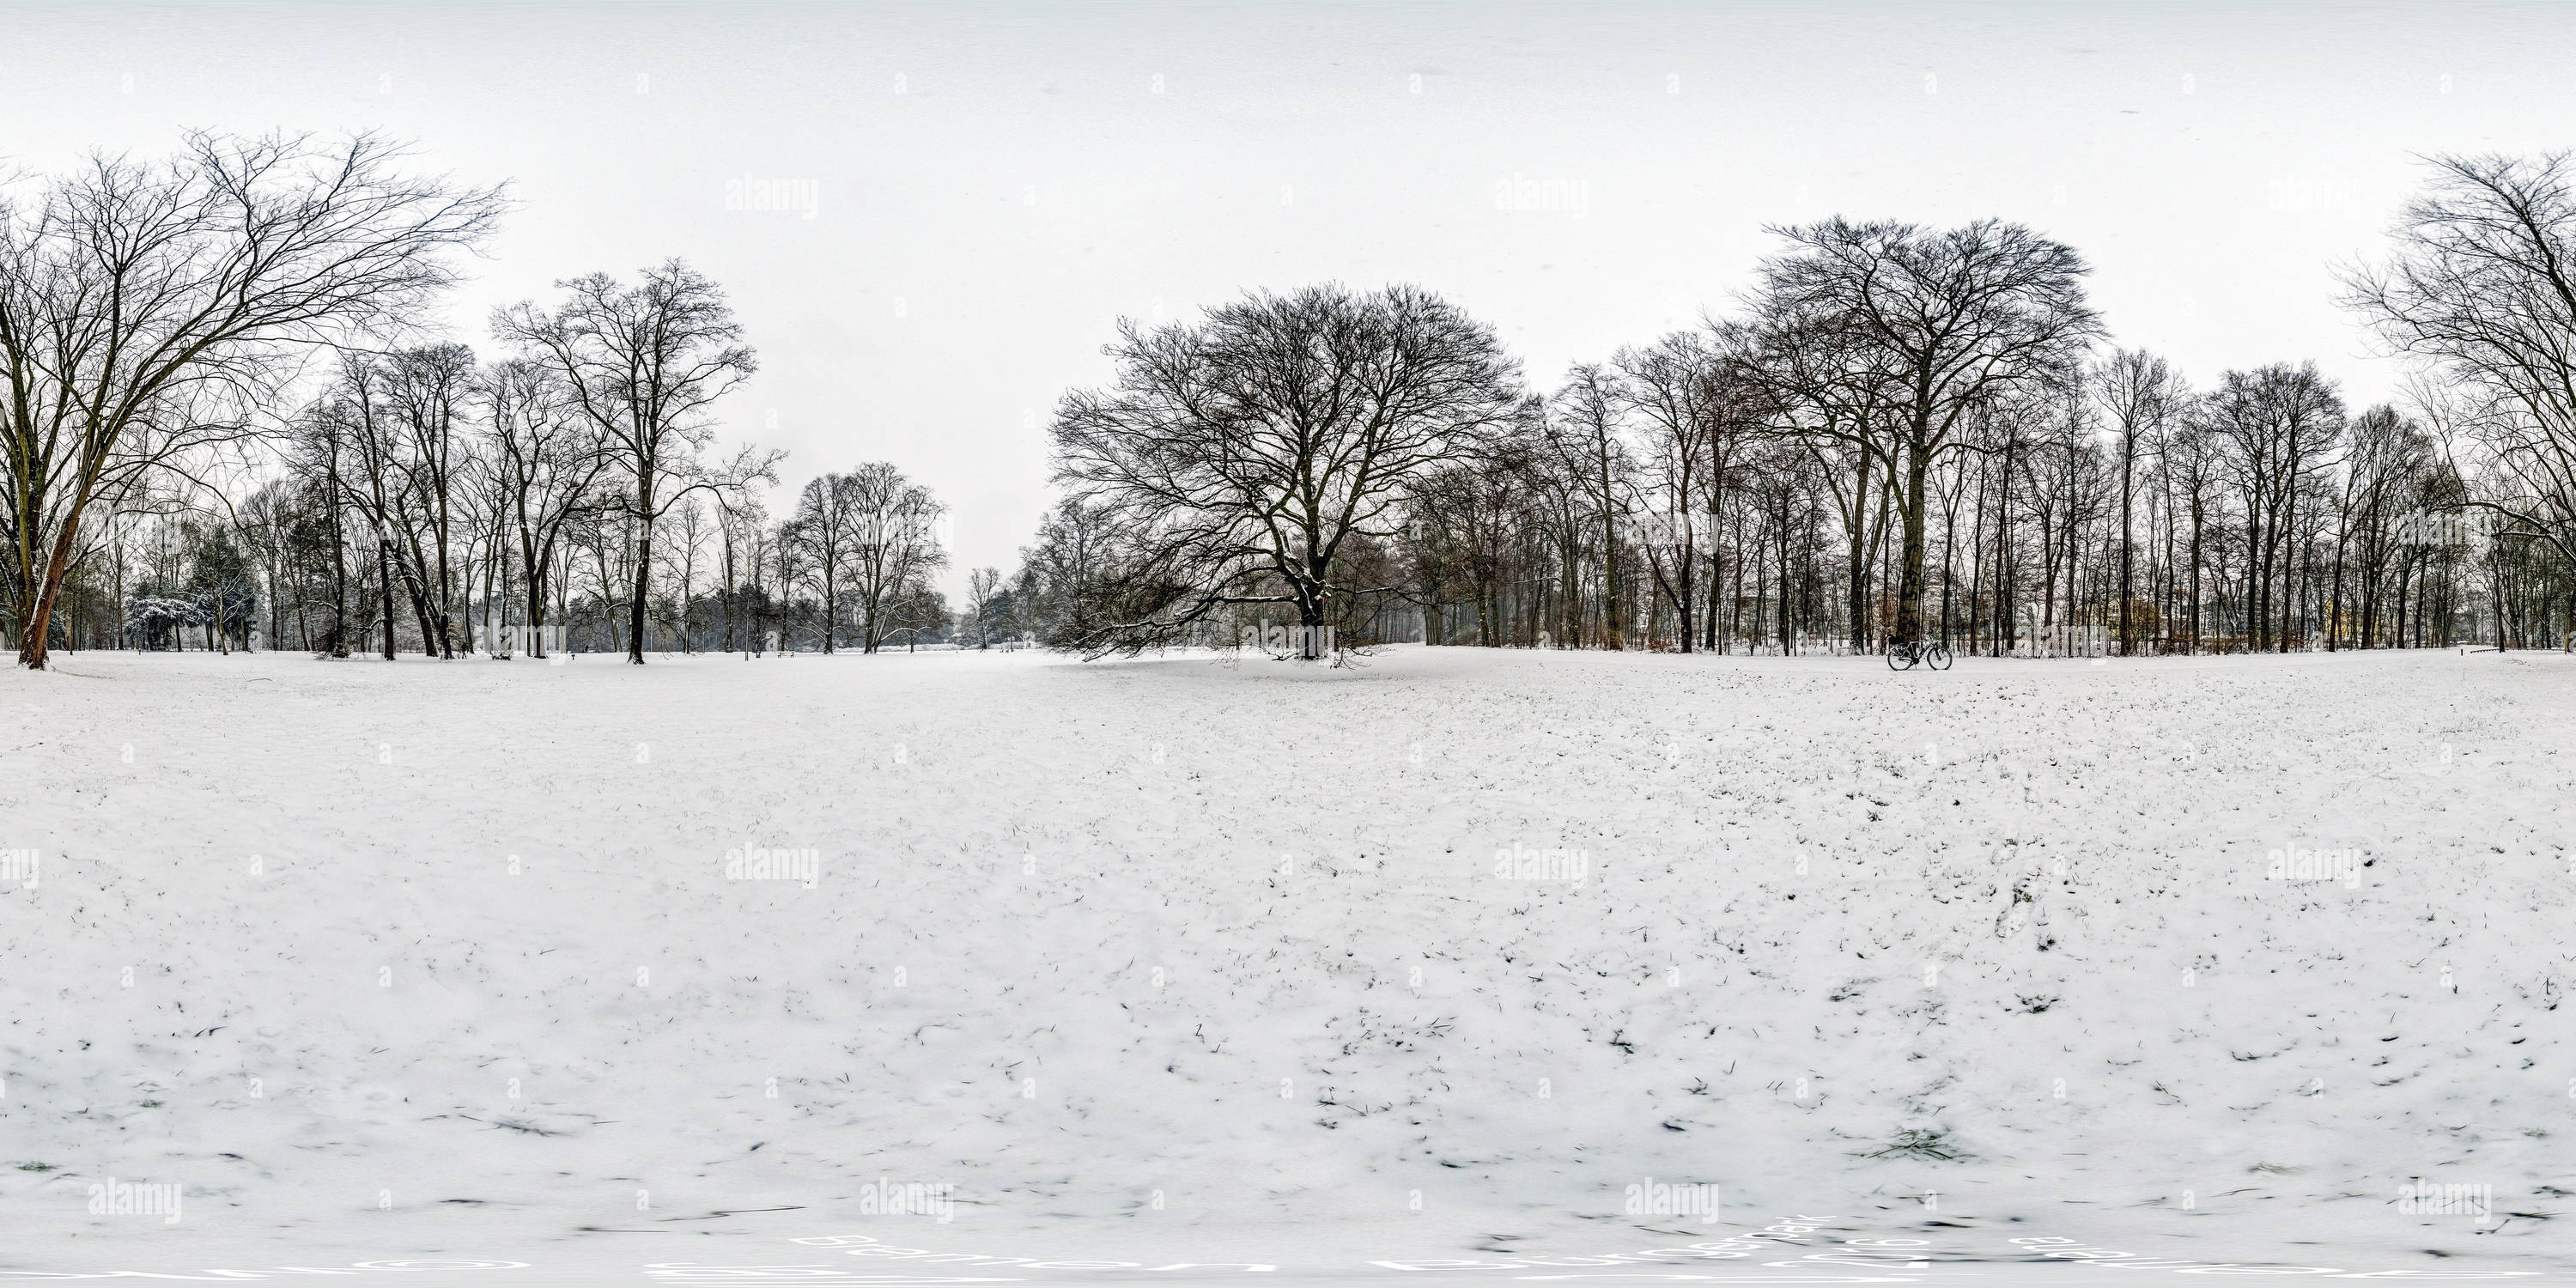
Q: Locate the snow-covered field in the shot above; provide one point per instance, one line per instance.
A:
(1187, 960)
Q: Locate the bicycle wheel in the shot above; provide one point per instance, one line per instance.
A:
(1938, 655)
(1900, 657)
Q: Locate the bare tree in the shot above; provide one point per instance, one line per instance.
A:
(2385, 453)
(2142, 394)
(1245, 451)
(1068, 569)
(2192, 462)
(265, 518)
(1944, 318)
(1828, 388)
(895, 547)
(982, 586)
(136, 295)
(743, 535)
(367, 441)
(1587, 439)
(645, 365)
(1669, 385)
(829, 527)
(427, 389)
(2483, 288)
(318, 440)
(2276, 424)
(690, 526)
(548, 461)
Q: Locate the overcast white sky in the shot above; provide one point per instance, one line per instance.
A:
(995, 184)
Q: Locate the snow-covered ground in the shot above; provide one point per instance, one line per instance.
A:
(1181, 959)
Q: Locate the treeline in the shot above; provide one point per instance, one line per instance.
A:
(1903, 433)
(427, 502)
(224, 430)
(214, 441)
(2114, 511)
(727, 578)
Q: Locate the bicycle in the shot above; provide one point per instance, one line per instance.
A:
(1932, 653)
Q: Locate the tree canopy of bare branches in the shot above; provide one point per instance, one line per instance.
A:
(148, 308)
(1247, 452)
(645, 364)
(1924, 324)
(2482, 287)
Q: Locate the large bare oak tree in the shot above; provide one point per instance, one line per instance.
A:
(1245, 454)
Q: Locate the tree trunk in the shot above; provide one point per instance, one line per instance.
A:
(2128, 540)
(385, 586)
(1909, 586)
(831, 609)
(31, 644)
(339, 640)
(643, 569)
(1859, 572)
(536, 608)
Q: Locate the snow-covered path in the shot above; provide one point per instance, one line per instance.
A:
(381, 958)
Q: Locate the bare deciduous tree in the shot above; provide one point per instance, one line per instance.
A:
(896, 546)
(1587, 439)
(827, 528)
(2142, 395)
(1939, 319)
(1669, 384)
(1246, 451)
(548, 461)
(2483, 288)
(2275, 425)
(983, 585)
(645, 364)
